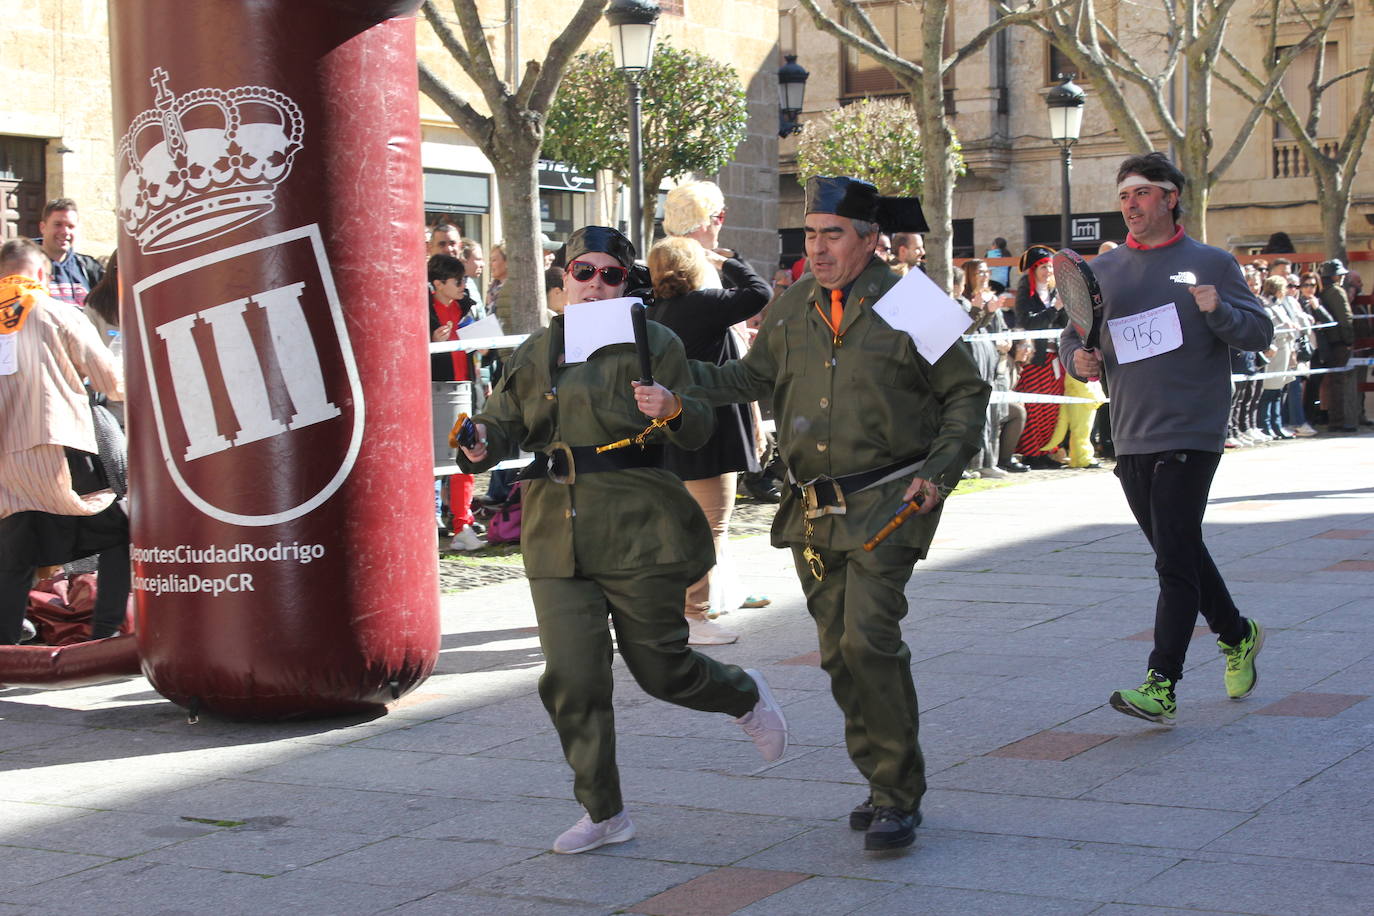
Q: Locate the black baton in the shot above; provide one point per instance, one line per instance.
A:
(641, 330)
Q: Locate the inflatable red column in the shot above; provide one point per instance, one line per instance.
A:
(270, 214)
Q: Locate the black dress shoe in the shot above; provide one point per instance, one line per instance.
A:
(892, 828)
(862, 815)
(1014, 466)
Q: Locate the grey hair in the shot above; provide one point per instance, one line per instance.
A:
(864, 228)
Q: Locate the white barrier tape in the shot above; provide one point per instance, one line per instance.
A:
(1311, 327)
(1053, 334)
(1047, 334)
(445, 470)
(479, 343)
(1025, 397)
(1352, 363)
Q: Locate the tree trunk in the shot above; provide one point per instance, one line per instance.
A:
(1333, 199)
(937, 192)
(1196, 146)
(517, 176)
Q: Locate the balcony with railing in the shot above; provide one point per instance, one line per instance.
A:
(1290, 162)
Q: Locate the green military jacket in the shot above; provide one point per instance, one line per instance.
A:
(612, 520)
(1337, 304)
(868, 402)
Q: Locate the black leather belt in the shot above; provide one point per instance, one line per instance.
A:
(825, 495)
(562, 463)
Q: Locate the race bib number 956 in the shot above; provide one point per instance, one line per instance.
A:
(1146, 334)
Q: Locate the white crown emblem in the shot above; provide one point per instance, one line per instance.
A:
(200, 164)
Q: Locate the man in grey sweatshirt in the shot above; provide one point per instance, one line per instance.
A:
(1172, 309)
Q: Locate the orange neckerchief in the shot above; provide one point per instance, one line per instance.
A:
(836, 317)
(16, 301)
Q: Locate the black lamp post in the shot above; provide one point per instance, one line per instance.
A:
(1065, 102)
(633, 22)
(791, 91)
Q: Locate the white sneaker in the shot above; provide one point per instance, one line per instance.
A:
(1257, 434)
(466, 539)
(991, 473)
(1302, 432)
(585, 834)
(706, 633)
(765, 723)
(1233, 442)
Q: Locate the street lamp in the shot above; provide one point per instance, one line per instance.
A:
(1065, 102)
(791, 91)
(632, 24)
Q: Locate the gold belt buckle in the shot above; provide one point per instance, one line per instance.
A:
(554, 450)
(811, 499)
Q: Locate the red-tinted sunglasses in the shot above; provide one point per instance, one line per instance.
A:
(583, 271)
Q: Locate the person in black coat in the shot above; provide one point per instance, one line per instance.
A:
(702, 318)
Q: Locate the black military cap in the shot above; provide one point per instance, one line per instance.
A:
(860, 200)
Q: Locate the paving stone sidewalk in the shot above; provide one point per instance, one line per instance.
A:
(1035, 604)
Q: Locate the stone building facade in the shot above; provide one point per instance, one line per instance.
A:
(56, 139)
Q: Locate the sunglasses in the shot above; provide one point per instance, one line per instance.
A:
(583, 271)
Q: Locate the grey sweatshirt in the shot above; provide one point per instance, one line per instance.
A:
(1179, 399)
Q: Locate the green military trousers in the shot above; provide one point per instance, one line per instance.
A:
(858, 608)
(645, 606)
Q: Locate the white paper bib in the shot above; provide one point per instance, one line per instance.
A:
(9, 355)
(1146, 334)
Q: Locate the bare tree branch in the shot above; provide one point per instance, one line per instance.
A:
(468, 119)
(1353, 143)
(907, 72)
(527, 82)
(1088, 56)
(480, 66)
(1243, 72)
(866, 26)
(1344, 76)
(450, 41)
(1261, 100)
(1010, 17)
(561, 51)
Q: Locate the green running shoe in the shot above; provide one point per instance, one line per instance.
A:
(1241, 675)
(1154, 701)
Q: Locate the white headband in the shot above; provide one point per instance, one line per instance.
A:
(1134, 181)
